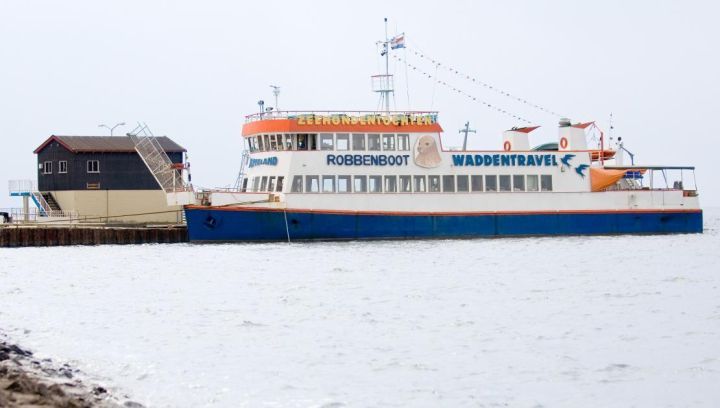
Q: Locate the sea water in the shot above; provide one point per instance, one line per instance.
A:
(531, 322)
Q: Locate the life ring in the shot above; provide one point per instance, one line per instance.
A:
(563, 143)
(507, 146)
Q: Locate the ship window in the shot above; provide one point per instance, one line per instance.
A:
(93, 166)
(343, 184)
(273, 142)
(491, 183)
(260, 144)
(266, 138)
(312, 141)
(505, 182)
(434, 184)
(358, 141)
(532, 182)
(419, 185)
(271, 184)
(263, 183)
(390, 184)
(375, 184)
(302, 142)
(403, 142)
(297, 186)
(280, 181)
(342, 141)
(360, 185)
(388, 142)
(250, 142)
(47, 167)
(405, 184)
(312, 184)
(288, 142)
(476, 183)
(462, 184)
(328, 184)
(518, 182)
(448, 184)
(373, 142)
(256, 184)
(546, 182)
(326, 141)
(244, 185)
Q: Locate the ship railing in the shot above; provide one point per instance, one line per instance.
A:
(276, 115)
(659, 178)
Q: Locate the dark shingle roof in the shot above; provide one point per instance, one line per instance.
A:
(109, 144)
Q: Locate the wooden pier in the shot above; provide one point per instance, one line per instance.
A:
(40, 235)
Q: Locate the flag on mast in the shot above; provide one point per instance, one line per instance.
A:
(397, 42)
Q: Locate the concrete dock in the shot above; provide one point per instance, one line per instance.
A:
(40, 235)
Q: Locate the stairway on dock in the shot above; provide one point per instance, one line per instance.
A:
(50, 200)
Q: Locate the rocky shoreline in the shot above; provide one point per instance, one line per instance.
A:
(28, 382)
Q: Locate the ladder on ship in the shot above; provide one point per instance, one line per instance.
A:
(241, 174)
(157, 161)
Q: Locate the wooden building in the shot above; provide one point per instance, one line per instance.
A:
(103, 176)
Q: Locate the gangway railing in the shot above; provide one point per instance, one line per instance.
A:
(244, 160)
(167, 174)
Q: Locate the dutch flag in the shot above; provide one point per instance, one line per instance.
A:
(397, 42)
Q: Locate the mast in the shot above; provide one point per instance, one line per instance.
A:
(387, 66)
(383, 83)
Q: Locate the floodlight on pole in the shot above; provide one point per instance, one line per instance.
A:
(113, 127)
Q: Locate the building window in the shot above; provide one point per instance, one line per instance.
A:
(358, 141)
(47, 167)
(448, 184)
(342, 141)
(343, 184)
(62, 166)
(505, 183)
(476, 183)
(328, 184)
(375, 184)
(373, 142)
(434, 184)
(388, 142)
(360, 184)
(405, 184)
(403, 142)
(326, 141)
(419, 185)
(312, 184)
(462, 184)
(518, 182)
(491, 183)
(532, 182)
(546, 182)
(93, 166)
(297, 185)
(390, 184)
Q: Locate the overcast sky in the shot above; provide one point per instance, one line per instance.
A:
(192, 70)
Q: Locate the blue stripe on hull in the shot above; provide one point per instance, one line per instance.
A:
(207, 224)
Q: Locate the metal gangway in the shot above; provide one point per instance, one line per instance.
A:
(167, 174)
(241, 174)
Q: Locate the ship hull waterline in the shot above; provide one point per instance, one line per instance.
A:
(206, 223)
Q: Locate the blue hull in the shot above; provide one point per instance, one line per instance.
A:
(232, 224)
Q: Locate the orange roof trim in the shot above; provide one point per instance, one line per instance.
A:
(292, 126)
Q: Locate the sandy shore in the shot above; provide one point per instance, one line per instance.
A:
(26, 382)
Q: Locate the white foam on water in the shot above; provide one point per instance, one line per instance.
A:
(570, 321)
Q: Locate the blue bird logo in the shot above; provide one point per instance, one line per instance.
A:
(580, 169)
(565, 160)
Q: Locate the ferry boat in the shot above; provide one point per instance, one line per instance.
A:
(388, 175)
(328, 175)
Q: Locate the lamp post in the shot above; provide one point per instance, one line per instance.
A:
(113, 127)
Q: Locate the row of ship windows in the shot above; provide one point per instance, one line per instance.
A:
(405, 183)
(330, 141)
